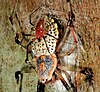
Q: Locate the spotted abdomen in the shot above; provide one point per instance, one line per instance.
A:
(47, 44)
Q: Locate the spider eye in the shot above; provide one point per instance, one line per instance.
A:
(41, 26)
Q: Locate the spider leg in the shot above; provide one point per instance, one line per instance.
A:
(26, 46)
(72, 86)
(12, 14)
(68, 67)
(29, 68)
(46, 44)
(17, 75)
(19, 41)
(11, 19)
(71, 18)
(71, 68)
(23, 38)
(27, 49)
(62, 41)
(52, 36)
(85, 74)
(73, 33)
(88, 73)
(30, 16)
(40, 87)
(67, 53)
(58, 72)
(58, 76)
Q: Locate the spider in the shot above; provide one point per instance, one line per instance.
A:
(54, 47)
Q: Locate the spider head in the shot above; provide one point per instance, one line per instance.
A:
(40, 31)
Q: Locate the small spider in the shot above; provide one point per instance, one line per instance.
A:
(54, 47)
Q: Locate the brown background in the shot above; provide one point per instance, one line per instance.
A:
(12, 57)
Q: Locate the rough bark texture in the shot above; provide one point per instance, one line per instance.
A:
(12, 57)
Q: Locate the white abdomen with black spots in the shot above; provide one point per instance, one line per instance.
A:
(47, 44)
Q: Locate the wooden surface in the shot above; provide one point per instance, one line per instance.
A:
(12, 56)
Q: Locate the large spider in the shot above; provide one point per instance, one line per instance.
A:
(55, 48)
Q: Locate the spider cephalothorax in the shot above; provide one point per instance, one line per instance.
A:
(40, 30)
